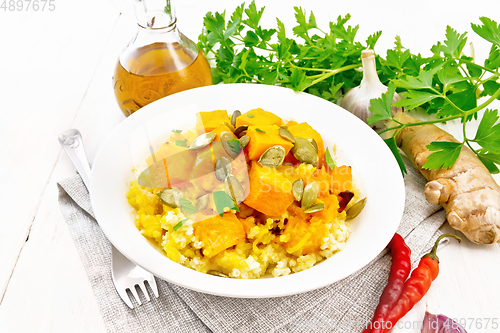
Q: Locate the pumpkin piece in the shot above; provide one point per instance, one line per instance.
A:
(258, 117)
(304, 130)
(204, 162)
(219, 233)
(270, 192)
(203, 174)
(263, 138)
(291, 123)
(330, 212)
(176, 161)
(340, 179)
(208, 121)
(222, 128)
(248, 223)
(303, 233)
(191, 135)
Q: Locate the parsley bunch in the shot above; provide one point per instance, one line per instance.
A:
(446, 85)
(245, 52)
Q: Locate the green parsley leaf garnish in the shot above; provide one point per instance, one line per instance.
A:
(259, 130)
(181, 143)
(381, 107)
(250, 115)
(235, 145)
(490, 30)
(187, 206)
(180, 224)
(223, 200)
(329, 160)
(415, 98)
(444, 156)
(490, 160)
(177, 131)
(488, 134)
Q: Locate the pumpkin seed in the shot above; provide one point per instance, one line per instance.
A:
(202, 203)
(231, 127)
(202, 141)
(240, 129)
(244, 140)
(315, 208)
(234, 188)
(298, 189)
(229, 150)
(285, 134)
(170, 197)
(225, 136)
(222, 168)
(272, 157)
(235, 115)
(304, 151)
(217, 273)
(310, 195)
(356, 209)
(313, 142)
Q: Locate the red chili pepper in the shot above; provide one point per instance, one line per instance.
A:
(417, 285)
(400, 269)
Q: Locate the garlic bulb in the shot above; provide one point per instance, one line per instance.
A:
(357, 100)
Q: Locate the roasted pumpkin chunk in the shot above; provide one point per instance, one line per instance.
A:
(303, 233)
(219, 233)
(176, 162)
(258, 117)
(270, 191)
(264, 137)
(222, 128)
(208, 121)
(340, 179)
(304, 130)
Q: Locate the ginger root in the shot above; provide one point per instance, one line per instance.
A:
(467, 191)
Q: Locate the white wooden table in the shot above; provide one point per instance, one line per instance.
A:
(56, 74)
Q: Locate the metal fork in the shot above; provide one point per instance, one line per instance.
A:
(125, 274)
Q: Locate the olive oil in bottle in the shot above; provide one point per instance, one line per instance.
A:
(158, 62)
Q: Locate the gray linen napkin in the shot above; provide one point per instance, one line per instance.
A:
(341, 307)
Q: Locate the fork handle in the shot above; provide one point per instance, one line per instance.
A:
(72, 143)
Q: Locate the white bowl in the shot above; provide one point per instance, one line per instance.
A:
(374, 167)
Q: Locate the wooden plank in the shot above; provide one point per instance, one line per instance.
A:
(50, 249)
(49, 290)
(49, 62)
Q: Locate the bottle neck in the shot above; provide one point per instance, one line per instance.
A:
(155, 14)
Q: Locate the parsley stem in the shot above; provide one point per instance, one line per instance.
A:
(331, 73)
(452, 104)
(485, 104)
(473, 63)
(442, 120)
(467, 141)
(434, 121)
(494, 77)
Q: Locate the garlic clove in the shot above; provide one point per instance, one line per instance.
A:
(357, 100)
